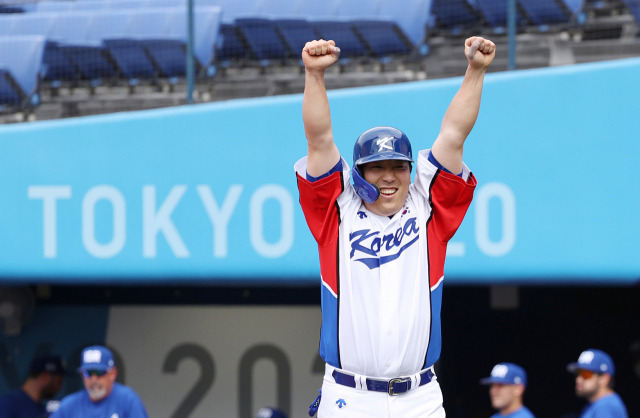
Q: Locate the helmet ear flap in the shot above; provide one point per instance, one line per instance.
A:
(367, 191)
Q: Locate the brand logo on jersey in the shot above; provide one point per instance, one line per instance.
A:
(365, 242)
(341, 403)
(383, 143)
(361, 214)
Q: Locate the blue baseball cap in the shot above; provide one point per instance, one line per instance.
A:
(594, 360)
(48, 363)
(96, 357)
(507, 374)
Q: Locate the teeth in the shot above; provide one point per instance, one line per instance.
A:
(387, 191)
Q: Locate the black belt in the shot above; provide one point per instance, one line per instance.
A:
(396, 386)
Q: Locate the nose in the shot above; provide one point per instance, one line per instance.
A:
(387, 174)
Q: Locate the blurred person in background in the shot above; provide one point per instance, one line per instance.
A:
(102, 396)
(44, 381)
(594, 373)
(507, 384)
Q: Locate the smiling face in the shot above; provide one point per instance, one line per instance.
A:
(392, 178)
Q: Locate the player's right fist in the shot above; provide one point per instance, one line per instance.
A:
(320, 54)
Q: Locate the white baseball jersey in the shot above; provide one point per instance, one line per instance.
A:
(381, 276)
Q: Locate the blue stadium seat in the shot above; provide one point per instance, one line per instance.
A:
(58, 67)
(169, 56)
(342, 32)
(21, 63)
(295, 33)
(230, 48)
(495, 14)
(130, 58)
(264, 42)
(383, 38)
(207, 20)
(634, 8)
(455, 16)
(413, 17)
(67, 29)
(543, 13)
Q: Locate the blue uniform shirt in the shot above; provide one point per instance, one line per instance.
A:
(610, 406)
(122, 402)
(520, 413)
(17, 404)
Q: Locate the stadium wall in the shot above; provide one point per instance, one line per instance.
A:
(207, 193)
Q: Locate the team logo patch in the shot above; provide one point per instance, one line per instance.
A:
(341, 403)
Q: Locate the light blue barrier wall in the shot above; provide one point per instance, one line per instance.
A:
(207, 192)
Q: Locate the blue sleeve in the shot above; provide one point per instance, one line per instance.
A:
(337, 167)
(435, 162)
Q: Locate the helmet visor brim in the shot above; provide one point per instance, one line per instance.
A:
(390, 155)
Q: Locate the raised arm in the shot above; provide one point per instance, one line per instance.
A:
(463, 110)
(322, 152)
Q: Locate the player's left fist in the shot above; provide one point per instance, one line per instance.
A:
(479, 51)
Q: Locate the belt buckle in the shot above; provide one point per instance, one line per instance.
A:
(394, 381)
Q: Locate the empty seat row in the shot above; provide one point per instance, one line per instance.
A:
(130, 44)
(457, 16)
(269, 40)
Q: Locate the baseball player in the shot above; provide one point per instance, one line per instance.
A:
(382, 244)
(44, 381)
(507, 384)
(594, 372)
(102, 396)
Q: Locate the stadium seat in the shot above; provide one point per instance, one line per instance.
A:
(342, 32)
(455, 16)
(168, 56)
(383, 38)
(295, 33)
(130, 58)
(67, 28)
(21, 63)
(543, 13)
(634, 8)
(206, 20)
(230, 48)
(265, 44)
(150, 32)
(413, 17)
(496, 13)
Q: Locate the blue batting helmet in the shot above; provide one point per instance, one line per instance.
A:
(377, 144)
